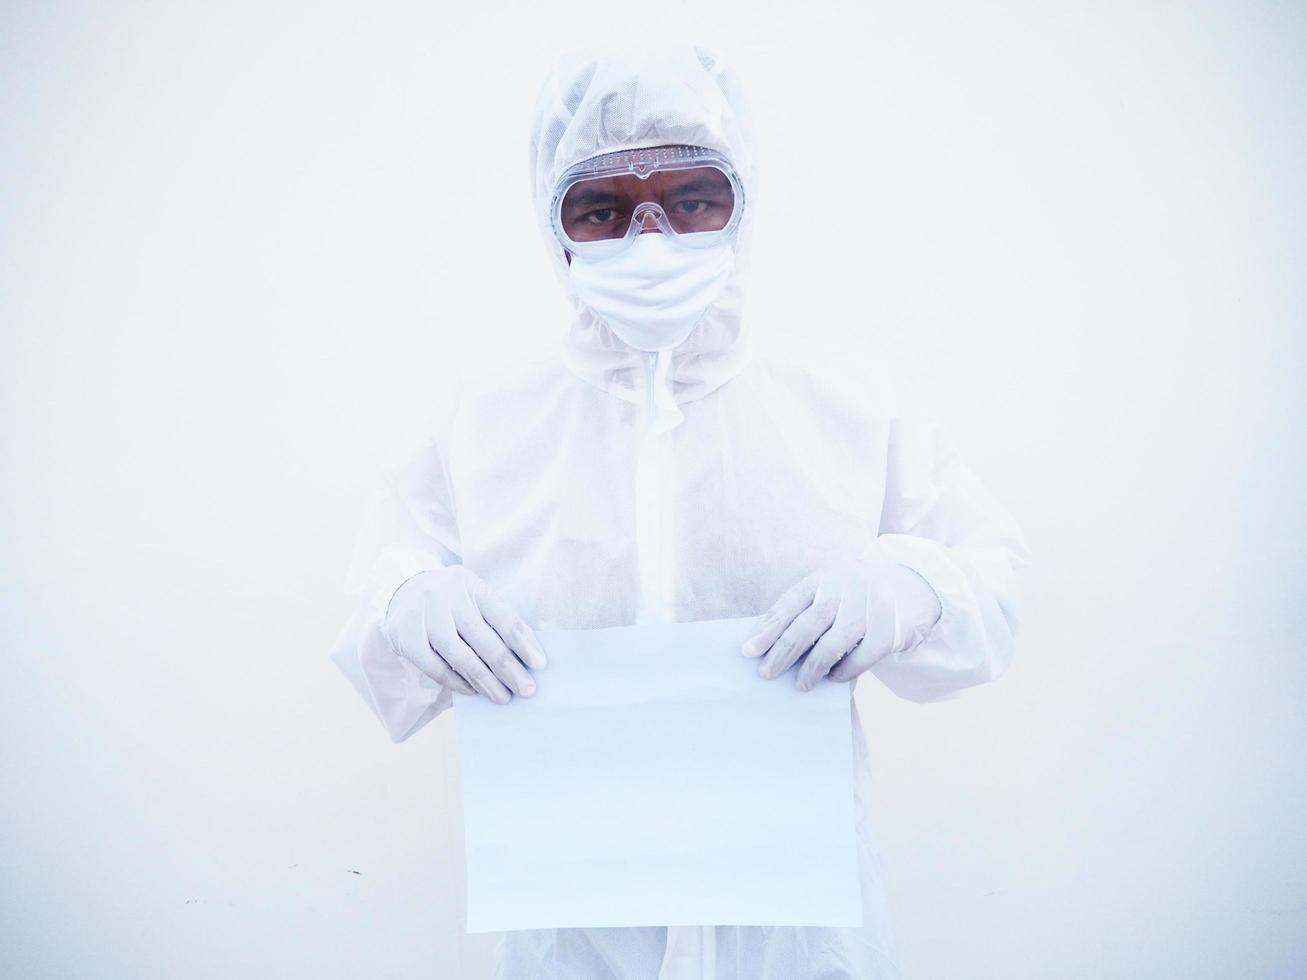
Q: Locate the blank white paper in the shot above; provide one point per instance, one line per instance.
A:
(655, 779)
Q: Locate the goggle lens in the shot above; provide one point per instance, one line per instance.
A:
(698, 199)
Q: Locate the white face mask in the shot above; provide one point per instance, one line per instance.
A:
(652, 293)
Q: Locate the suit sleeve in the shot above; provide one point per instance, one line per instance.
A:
(940, 521)
(409, 526)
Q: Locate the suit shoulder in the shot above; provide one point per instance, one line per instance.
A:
(525, 373)
(828, 392)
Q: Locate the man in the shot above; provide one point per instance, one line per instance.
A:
(653, 469)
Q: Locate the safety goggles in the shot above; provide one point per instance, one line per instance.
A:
(687, 192)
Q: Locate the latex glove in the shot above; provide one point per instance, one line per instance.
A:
(846, 617)
(451, 625)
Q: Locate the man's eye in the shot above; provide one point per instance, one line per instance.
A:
(692, 207)
(602, 216)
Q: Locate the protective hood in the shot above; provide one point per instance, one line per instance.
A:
(597, 102)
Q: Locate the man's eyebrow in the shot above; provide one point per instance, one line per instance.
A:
(701, 185)
(591, 195)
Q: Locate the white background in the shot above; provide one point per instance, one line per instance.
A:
(240, 242)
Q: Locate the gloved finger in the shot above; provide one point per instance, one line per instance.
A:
(793, 601)
(518, 637)
(494, 653)
(464, 660)
(876, 643)
(415, 648)
(854, 663)
(845, 634)
(799, 636)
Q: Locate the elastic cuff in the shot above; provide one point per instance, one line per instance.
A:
(919, 556)
(934, 591)
(385, 614)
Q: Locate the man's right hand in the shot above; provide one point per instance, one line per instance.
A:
(451, 625)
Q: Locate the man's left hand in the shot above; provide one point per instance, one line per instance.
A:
(845, 618)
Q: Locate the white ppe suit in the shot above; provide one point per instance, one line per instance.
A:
(598, 485)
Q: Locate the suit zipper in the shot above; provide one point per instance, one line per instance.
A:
(649, 508)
